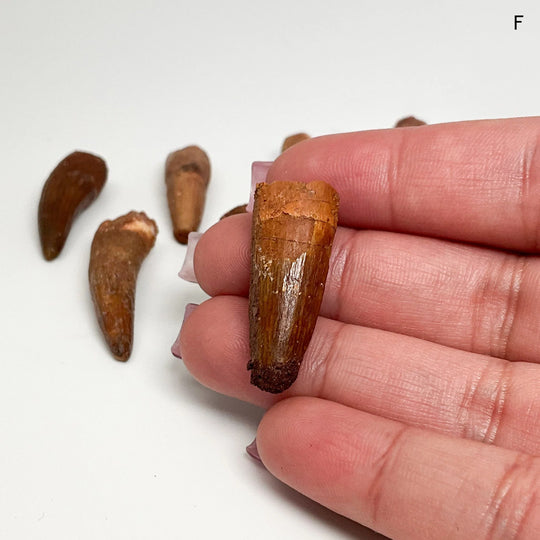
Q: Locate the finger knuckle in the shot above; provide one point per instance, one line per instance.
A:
(384, 471)
(484, 401)
(495, 306)
(512, 508)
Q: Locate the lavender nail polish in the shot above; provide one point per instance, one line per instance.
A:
(259, 170)
(253, 452)
(187, 273)
(175, 349)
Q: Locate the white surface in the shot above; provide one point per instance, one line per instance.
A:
(92, 448)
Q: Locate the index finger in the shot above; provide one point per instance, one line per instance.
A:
(476, 181)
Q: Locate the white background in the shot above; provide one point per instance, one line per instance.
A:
(93, 448)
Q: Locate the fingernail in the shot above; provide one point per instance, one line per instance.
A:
(187, 272)
(259, 170)
(253, 452)
(175, 349)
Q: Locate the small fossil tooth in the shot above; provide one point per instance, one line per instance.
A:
(293, 229)
(118, 250)
(291, 140)
(187, 173)
(72, 186)
(409, 121)
(240, 209)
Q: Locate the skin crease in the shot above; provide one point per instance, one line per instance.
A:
(417, 408)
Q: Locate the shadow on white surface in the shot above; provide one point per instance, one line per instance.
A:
(332, 521)
(231, 408)
(250, 415)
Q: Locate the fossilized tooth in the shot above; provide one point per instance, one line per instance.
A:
(187, 173)
(409, 121)
(291, 140)
(293, 228)
(240, 209)
(73, 185)
(118, 250)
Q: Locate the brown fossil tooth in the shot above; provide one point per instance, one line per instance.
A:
(293, 228)
(118, 250)
(409, 121)
(291, 140)
(240, 209)
(187, 173)
(72, 186)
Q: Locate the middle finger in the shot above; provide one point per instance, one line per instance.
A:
(468, 297)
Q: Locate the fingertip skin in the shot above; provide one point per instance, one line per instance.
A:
(215, 333)
(301, 433)
(222, 257)
(268, 445)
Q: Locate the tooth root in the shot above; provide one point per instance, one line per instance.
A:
(291, 140)
(293, 229)
(71, 187)
(187, 174)
(118, 250)
(240, 209)
(409, 121)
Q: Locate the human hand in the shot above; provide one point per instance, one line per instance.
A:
(417, 408)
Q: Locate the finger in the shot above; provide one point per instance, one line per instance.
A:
(463, 296)
(222, 257)
(473, 181)
(401, 481)
(401, 378)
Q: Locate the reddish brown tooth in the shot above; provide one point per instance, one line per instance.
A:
(240, 209)
(409, 121)
(73, 185)
(187, 173)
(293, 228)
(118, 250)
(291, 140)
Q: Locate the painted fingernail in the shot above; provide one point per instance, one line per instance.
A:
(253, 452)
(259, 170)
(175, 349)
(187, 272)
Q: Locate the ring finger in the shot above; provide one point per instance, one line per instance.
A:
(399, 377)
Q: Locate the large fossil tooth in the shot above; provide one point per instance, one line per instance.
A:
(118, 250)
(293, 229)
(187, 173)
(72, 186)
